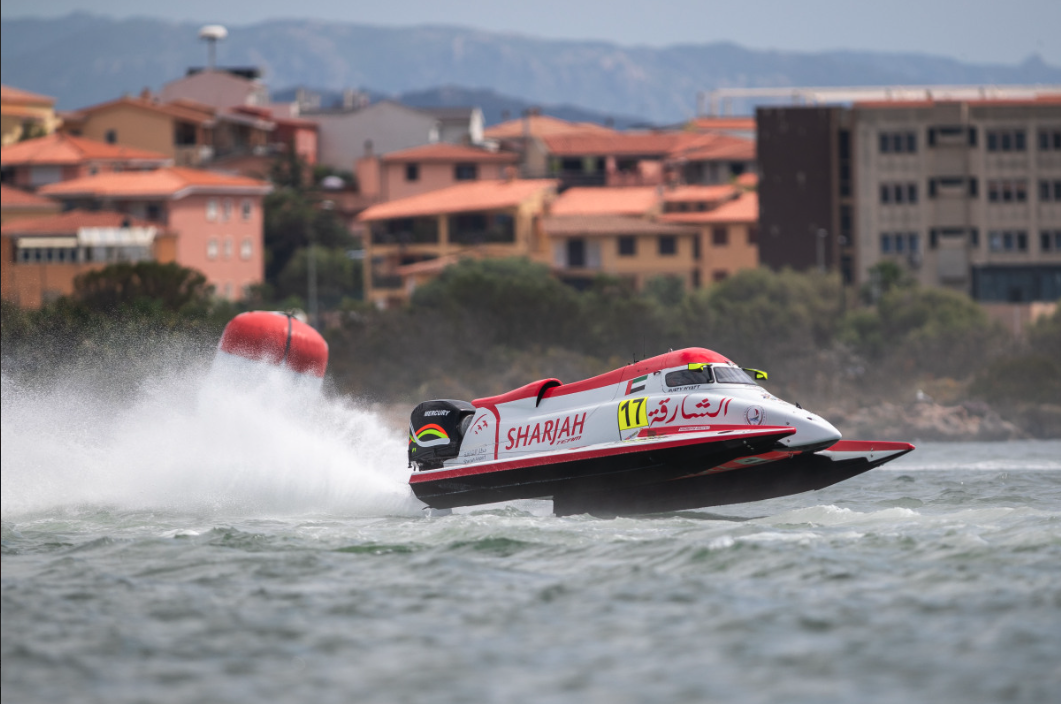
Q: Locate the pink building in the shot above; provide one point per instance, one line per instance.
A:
(410, 172)
(216, 218)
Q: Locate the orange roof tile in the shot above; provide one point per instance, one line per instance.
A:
(723, 124)
(172, 182)
(186, 110)
(70, 222)
(16, 96)
(60, 148)
(616, 143)
(696, 194)
(463, 197)
(17, 198)
(634, 200)
(740, 210)
(540, 126)
(577, 225)
(441, 151)
(714, 146)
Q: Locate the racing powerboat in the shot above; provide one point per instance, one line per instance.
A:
(683, 430)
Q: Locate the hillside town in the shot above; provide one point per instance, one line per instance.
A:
(958, 187)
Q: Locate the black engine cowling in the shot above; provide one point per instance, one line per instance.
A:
(436, 429)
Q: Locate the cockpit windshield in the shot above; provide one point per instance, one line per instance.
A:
(695, 374)
(731, 375)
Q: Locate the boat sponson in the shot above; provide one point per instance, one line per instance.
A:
(587, 472)
(795, 475)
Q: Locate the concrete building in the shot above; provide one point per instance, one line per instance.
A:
(220, 88)
(216, 218)
(964, 194)
(348, 135)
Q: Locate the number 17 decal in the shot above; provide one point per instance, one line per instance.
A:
(633, 413)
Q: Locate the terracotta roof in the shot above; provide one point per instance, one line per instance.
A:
(617, 143)
(634, 200)
(440, 151)
(60, 148)
(172, 182)
(744, 210)
(748, 180)
(17, 198)
(186, 110)
(611, 225)
(17, 96)
(723, 124)
(541, 126)
(463, 197)
(714, 146)
(696, 194)
(70, 222)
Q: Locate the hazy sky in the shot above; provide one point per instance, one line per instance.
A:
(979, 31)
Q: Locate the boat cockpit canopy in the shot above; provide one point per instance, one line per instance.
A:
(710, 373)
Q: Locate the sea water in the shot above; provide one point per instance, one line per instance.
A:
(214, 537)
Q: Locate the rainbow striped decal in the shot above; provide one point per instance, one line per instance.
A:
(428, 436)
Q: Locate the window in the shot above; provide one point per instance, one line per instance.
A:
(1008, 191)
(689, 377)
(719, 275)
(246, 248)
(228, 248)
(668, 245)
(481, 228)
(1050, 241)
(465, 172)
(211, 249)
(898, 193)
(886, 243)
(731, 375)
(885, 194)
(406, 231)
(153, 212)
(898, 142)
(627, 246)
(914, 241)
(576, 253)
(211, 209)
(226, 210)
(719, 236)
(1011, 140)
(1050, 191)
(1008, 241)
(1050, 140)
(753, 231)
(412, 172)
(110, 137)
(911, 193)
(245, 208)
(696, 248)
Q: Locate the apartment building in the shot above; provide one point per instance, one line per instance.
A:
(410, 172)
(16, 204)
(216, 218)
(24, 114)
(495, 218)
(964, 194)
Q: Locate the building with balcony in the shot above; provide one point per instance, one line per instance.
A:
(41, 257)
(960, 193)
(216, 218)
(62, 157)
(494, 218)
(16, 204)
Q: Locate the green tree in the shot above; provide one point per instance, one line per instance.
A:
(338, 276)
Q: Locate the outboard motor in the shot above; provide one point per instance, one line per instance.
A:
(436, 429)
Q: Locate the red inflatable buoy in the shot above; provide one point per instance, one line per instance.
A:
(276, 338)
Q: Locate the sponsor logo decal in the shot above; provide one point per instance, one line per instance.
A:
(754, 415)
(555, 432)
(635, 385)
(436, 413)
(428, 436)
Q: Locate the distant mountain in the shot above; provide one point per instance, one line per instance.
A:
(82, 59)
(496, 107)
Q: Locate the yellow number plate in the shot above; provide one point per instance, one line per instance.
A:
(633, 413)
